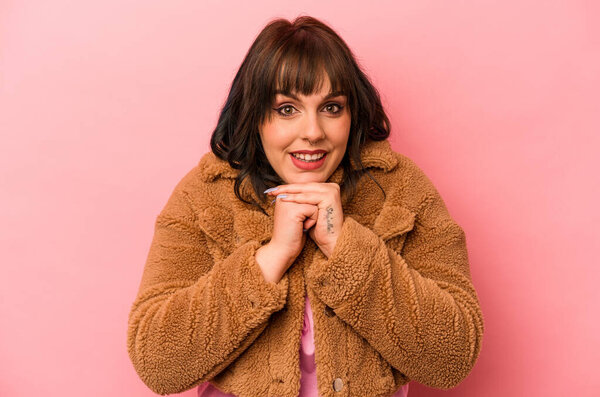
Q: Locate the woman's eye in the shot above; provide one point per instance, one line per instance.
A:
(285, 111)
(332, 106)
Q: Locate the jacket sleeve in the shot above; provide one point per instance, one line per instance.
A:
(418, 307)
(193, 315)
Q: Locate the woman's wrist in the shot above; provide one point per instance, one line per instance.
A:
(272, 262)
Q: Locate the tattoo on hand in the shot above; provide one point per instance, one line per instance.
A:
(329, 220)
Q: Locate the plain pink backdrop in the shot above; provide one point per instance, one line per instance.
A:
(105, 106)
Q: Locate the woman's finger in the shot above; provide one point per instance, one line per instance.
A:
(315, 187)
(309, 223)
(303, 198)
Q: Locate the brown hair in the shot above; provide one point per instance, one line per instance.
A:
(291, 56)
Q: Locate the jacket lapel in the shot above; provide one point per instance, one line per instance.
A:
(393, 220)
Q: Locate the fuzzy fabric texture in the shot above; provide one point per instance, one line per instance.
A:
(393, 303)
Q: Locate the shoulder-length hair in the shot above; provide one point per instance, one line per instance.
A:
(291, 57)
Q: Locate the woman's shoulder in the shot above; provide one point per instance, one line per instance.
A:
(380, 155)
(200, 185)
(207, 171)
(399, 165)
(409, 184)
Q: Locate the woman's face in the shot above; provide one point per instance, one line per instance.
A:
(296, 122)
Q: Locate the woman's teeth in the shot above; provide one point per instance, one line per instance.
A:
(308, 157)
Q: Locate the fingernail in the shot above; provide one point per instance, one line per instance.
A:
(280, 196)
(271, 189)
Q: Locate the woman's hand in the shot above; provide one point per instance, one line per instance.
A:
(287, 239)
(320, 204)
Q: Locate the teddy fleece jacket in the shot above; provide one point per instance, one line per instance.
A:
(394, 302)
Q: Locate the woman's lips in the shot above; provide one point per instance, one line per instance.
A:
(303, 165)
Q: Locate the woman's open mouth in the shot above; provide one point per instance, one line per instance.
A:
(308, 162)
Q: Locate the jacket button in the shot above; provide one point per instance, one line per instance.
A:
(338, 385)
(329, 312)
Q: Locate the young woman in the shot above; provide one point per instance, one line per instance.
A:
(302, 255)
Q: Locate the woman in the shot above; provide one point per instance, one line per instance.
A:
(302, 219)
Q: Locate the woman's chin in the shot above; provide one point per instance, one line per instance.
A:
(306, 179)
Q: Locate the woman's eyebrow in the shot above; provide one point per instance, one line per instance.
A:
(330, 95)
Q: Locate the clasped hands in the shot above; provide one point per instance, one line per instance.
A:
(318, 209)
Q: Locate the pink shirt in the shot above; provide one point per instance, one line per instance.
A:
(308, 378)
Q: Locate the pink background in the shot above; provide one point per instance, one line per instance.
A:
(105, 105)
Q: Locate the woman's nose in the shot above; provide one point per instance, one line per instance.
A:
(313, 131)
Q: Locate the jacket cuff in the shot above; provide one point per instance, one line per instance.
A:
(339, 278)
(260, 295)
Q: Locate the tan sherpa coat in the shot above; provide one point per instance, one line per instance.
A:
(393, 303)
